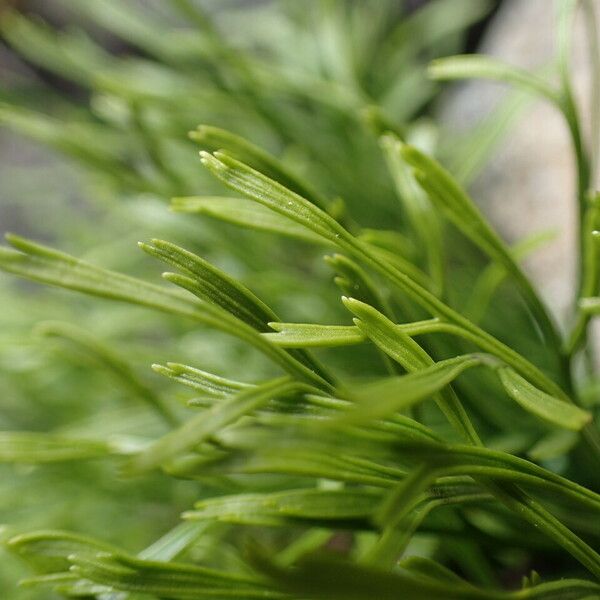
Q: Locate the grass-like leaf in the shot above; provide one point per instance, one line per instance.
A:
(33, 447)
(213, 138)
(201, 427)
(46, 265)
(474, 66)
(460, 209)
(336, 508)
(541, 404)
(244, 214)
(208, 383)
(211, 284)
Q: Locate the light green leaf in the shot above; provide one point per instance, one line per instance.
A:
(174, 542)
(556, 443)
(338, 508)
(52, 267)
(243, 213)
(86, 142)
(199, 428)
(306, 335)
(35, 447)
(48, 550)
(473, 66)
(272, 194)
(403, 497)
(214, 139)
(541, 404)
(214, 286)
(171, 580)
(480, 462)
(299, 335)
(387, 396)
(269, 193)
(211, 284)
(70, 55)
(404, 350)
(210, 384)
(430, 569)
(448, 196)
(306, 460)
(417, 207)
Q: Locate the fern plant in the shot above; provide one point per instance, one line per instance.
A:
(433, 434)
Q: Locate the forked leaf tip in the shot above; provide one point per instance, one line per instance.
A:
(352, 303)
(207, 157)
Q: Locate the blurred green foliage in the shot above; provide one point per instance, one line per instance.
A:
(307, 109)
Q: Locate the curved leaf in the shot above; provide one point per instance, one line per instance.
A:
(250, 215)
(541, 404)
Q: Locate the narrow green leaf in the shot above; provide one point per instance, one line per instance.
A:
(299, 335)
(215, 139)
(448, 196)
(473, 66)
(212, 284)
(174, 542)
(387, 396)
(201, 427)
(459, 459)
(52, 267)
(69, 54)
(210, 384)
(294, 506)
(288, 459)
(86, 142)
(417, 207)
(548, 408)
(394, 539)
(403, 497)
(48, 550)
(430, 569)
(249, 215)
(271, 194)
(34, 447)
(403, 349)
(170, 580)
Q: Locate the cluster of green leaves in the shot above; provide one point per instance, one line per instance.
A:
(437, 441)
